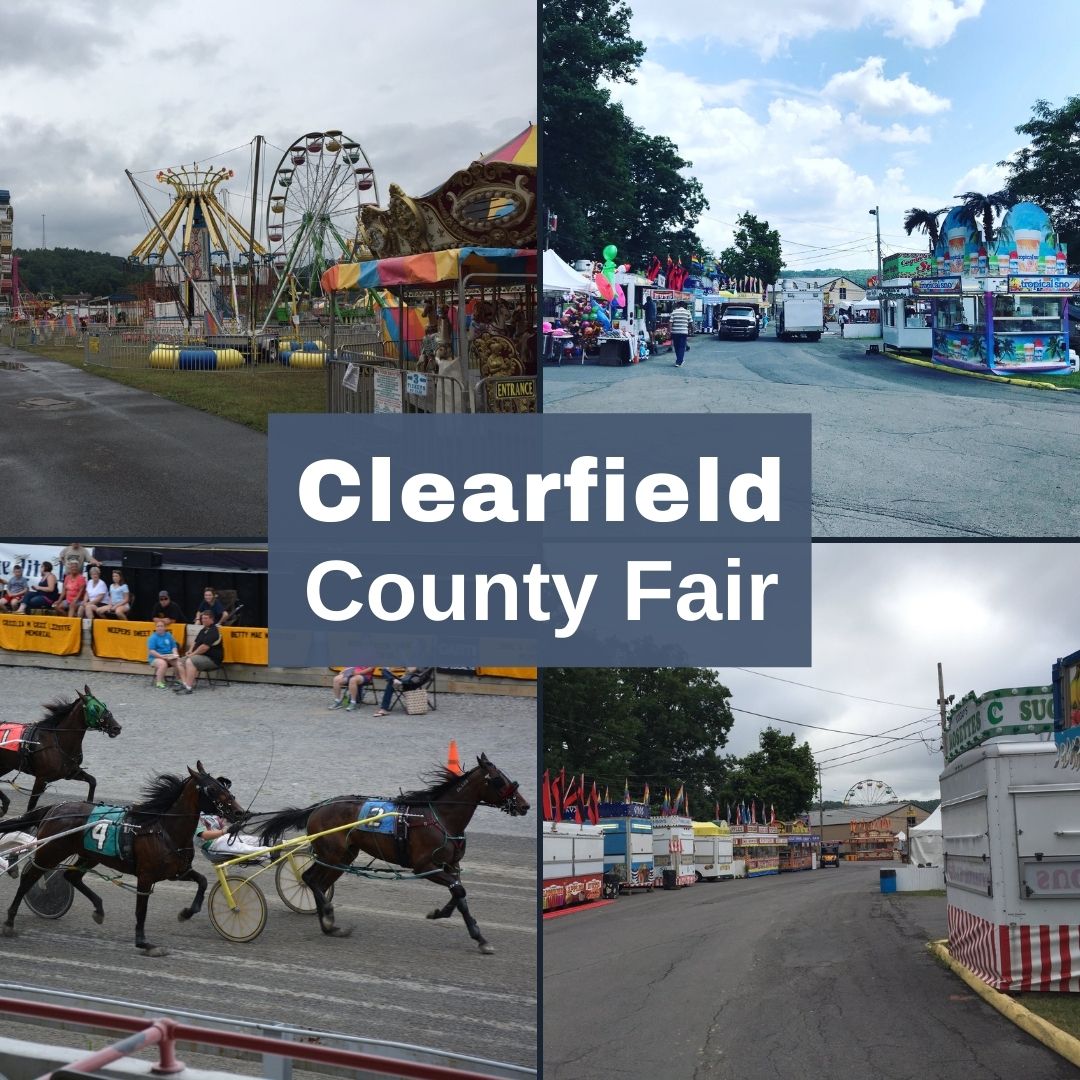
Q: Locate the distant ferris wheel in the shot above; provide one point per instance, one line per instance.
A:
(870, 793)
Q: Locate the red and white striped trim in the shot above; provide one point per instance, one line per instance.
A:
(1016, 958)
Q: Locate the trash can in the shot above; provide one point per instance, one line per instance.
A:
(671, 879)
(888, 880)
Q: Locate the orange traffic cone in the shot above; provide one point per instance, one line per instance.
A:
(453, 762)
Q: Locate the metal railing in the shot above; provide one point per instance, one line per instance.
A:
(273, 1046)
(368, 381)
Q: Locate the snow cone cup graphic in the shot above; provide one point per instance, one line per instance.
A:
(1027, 250)
(1029, 352)
(956, 240)
(1039, 350)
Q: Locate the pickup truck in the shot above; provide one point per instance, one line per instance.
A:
(738, 319)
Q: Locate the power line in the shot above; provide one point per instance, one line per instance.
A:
(819, 727)
(823, 690)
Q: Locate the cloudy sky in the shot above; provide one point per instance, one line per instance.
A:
(91, 87)
(994, 615)
(809, 115)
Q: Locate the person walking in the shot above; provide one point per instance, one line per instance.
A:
(680, 331)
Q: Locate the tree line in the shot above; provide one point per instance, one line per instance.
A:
(67, 271)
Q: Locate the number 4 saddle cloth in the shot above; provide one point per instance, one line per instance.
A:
(106, 833)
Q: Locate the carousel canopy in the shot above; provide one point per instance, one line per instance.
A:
(520, 150)
(483, 266)
(561, 277)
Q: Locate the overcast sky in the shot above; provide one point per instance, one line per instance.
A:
(811, 114)
(91, 87)
(994, 615)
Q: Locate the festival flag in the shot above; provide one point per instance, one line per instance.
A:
(645, 794)
(686, 805)
(680, 795)
(654, 269)
(569, 796)
(548, 806)
(607, 794)
(665, 806)
(772, 819)
(716, 816)
(753, 813)
(625, 790)
(594, 805)
(727, 817)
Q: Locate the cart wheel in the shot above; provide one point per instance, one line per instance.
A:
(51, 895)
(245, 920)
(294, 894)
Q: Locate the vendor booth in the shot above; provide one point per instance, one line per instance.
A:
(1011, 843)
(573, 860)
(756, 850)
(908, 318)
(628, 844)
(925, 842)
(673, 851)
(1000, 307)
(800, 848)
(713, 851)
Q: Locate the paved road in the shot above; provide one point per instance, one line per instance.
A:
(813, 975)
(898, 450)
(400, 976)
(83, 453)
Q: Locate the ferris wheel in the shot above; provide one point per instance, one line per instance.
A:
(313, 207)
(870, 793)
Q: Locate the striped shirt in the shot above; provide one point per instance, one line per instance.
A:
(680, 321)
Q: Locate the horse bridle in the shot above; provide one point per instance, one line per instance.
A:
(94, 713)
(506, 793)
(219, 805)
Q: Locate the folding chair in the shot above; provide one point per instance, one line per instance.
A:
(426, 681)
(221, 673)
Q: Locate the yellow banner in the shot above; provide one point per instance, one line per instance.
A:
(41, 633)
(120, 639)
(508, 672)
(245, 645)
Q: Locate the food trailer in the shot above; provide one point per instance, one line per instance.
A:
(908, 318)
(628, 844)
(713, 851)
(1000, 308)
(756, 850)
(1011, 840)
(871, 841)
(673, 851)
(799, 847)
(573, 857)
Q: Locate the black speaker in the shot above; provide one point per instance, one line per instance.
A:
(140, 559)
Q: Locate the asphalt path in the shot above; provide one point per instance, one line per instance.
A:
(120, 462)
(898, 450)
(399, 976)
(814, 975)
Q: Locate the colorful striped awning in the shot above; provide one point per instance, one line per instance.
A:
(441, 268)
(520, 150)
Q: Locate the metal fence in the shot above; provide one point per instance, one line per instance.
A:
(51, 332)
(368, 381)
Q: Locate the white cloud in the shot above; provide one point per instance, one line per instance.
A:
(769, 26)
(868, 87)
(983, 177)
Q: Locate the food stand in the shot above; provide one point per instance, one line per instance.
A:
(573, 861)
(713, 851)
(628, 844)
(1011, 839)
(799, 848)
(872, 841)
(1000, 308)
(908, 318)
(673, 851)
(756, 850)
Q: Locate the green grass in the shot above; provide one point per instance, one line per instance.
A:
(919, 892)
(1061, 1010)
(245, 396)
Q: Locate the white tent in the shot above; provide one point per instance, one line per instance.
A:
(561, 277)
(926, 844)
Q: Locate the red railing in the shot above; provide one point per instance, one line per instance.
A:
(164, 1033)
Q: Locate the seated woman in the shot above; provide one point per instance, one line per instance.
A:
(413, 679)
(44, 594)
(348, 684)
(97, 595)
(73, 590)
(119, 598)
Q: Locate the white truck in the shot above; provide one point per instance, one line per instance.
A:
(798, 313)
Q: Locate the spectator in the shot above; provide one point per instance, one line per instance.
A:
(76, 552)
(45, 593)
(680, 331)
(119, 598)
(411, 680)
(97, 595)
(348, 684)
(14, 589)
(167, 609)
(73, 590)
(210, 602)
(161, 652)
(206, 654)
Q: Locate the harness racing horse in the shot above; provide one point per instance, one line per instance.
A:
(427, 836)
(51, 749)
(153, 841)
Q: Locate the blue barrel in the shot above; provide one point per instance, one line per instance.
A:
(888, 880)
(197, 360)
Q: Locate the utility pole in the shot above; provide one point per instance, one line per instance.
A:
(881, 303)
(252, 292)
(942, 702)
(42, 232)
(820, 809)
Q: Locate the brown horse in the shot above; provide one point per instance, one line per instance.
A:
(152, 841)
(51, 749)
(427, 836)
